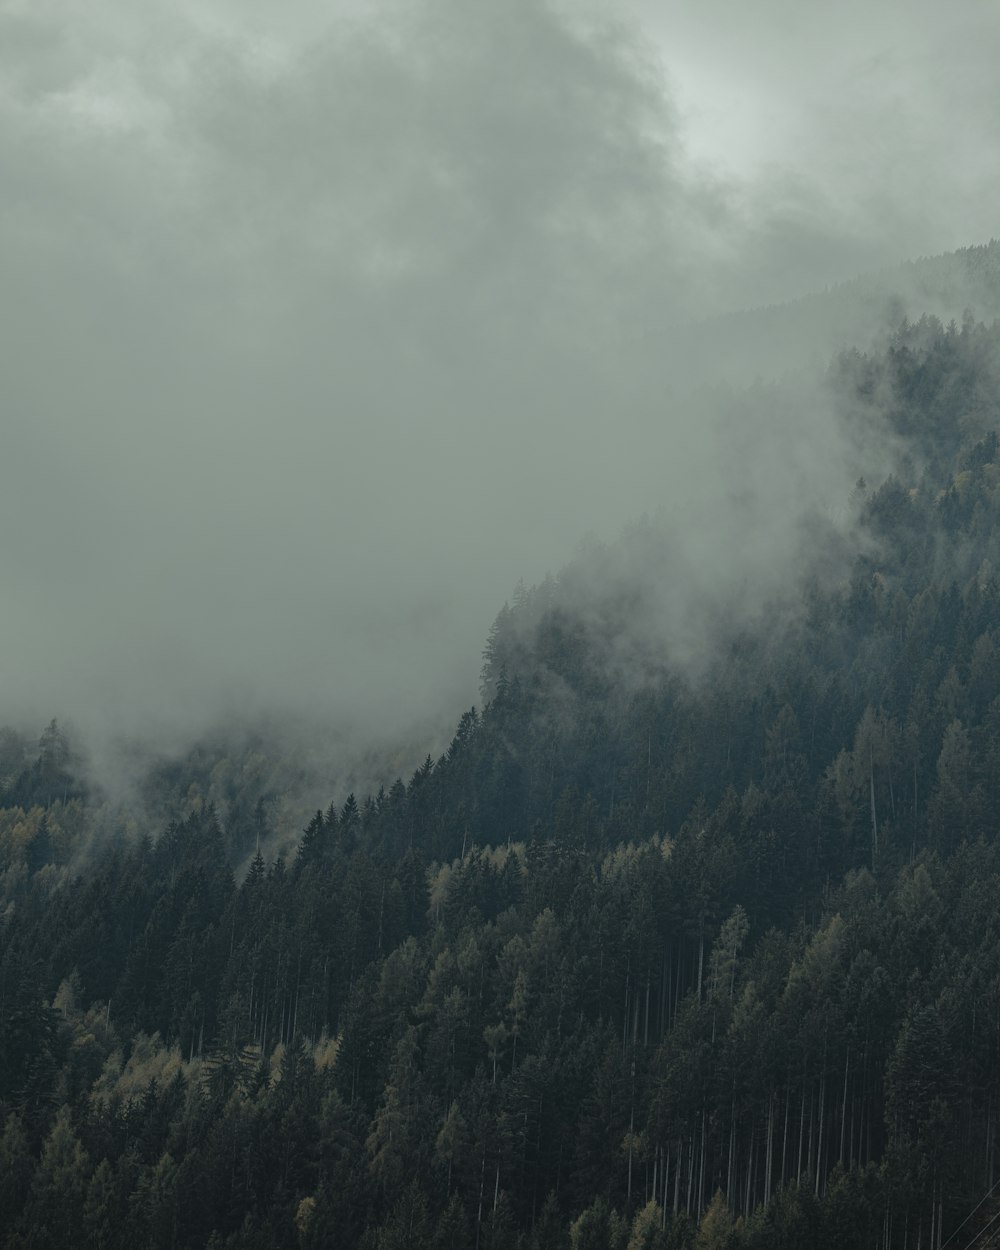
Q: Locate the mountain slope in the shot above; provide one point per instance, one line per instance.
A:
(662, 923)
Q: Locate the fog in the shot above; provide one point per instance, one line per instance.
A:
(320, 328)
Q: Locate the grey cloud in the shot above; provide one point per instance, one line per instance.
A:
(313, 345)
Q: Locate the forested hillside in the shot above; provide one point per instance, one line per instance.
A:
(656, 954)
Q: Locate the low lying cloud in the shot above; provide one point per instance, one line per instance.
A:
(316, 337)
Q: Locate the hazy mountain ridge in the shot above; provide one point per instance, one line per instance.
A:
(859, 313)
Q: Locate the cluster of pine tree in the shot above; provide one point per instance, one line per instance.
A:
(673, 962)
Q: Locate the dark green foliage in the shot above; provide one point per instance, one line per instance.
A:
(641, 960)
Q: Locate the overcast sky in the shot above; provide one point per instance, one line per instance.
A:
(323, 323)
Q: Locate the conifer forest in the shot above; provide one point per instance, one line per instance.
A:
(653, 955)
(500, 625)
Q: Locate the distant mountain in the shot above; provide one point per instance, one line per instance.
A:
(771, 340)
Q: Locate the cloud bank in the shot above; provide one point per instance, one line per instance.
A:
(319, 332)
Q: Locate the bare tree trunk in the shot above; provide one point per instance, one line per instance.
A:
(665, 992)
(295, 1013)
(625, 1014)
(746, 1204)
(843, 1105)
(677, 983)
(784, 1139)
(666, 1180)
(732, 1144)
(871, 782)
(482, 1183)
(819, 1139)
(677, 1174)
(656, 1172)
(631, 1126)
(802, 1121)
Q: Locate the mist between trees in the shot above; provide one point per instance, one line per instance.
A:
(652, 954)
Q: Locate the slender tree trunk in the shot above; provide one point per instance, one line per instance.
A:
(862, 1107)
(746, 1204)
(784, 1137)
(802, 1121)
(871, 781)
(625, 1014)
(482, 1185)
(843, 1106)
(677, 982)
(664, 992)
(732, 1145)
(666, 1180)
(631, 1127)
(677, 1174)
(819, 1138)
(536, 1171)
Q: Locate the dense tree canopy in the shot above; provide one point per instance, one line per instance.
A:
(647, 958)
